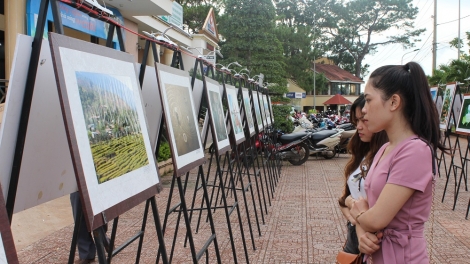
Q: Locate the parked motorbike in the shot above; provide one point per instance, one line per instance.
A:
(325, 142)
(349, 131)
(291, 147)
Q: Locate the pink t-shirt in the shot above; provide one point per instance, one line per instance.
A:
(410, 165)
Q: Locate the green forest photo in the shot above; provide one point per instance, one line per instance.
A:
(112, 123)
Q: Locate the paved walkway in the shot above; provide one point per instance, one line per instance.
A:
(303, 224)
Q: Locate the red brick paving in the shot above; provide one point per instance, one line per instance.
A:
(303, 224)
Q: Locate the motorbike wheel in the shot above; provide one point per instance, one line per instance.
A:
(302, 147)
(331, 154)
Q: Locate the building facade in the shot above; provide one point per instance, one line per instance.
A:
(339, 82)
(152, 16)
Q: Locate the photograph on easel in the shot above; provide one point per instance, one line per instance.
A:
(464, 117)
(217, 112)
(257, 110)
(447, 105)
(7, 246)
(249, 114)
(266, 109)
(262, 107)
(234, 110)
(434, 93)
(106, 127)
(180, 116)
(270, 106)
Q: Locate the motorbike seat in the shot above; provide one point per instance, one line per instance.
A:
(347, 126)
(287, 138)
(323, 134)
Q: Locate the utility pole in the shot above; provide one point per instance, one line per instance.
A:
(314, 73)
(458, 37)
(434, 39)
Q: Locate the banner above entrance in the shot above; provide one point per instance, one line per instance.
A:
(72, 18)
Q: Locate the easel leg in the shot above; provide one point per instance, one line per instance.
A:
(158, 226)
(99, 235)
(76, 228)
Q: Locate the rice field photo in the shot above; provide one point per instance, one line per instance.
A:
(112, 123)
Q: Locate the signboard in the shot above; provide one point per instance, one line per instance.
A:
(209, 58)
(176, 17)
(210, 26)
(295, 95)
(72, 18)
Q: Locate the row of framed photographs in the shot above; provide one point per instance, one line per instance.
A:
(456, 103)
(107, 127)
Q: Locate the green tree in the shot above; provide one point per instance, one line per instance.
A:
(358, 27)
(455, 44)
(249, 37)
(456, 71)
(195, 12)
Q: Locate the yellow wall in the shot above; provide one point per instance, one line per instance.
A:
(15, 23)
(310, 100)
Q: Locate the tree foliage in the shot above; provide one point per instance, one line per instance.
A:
(298, 40)
(281, 122)
(249, 31)
(356, 28)
(456, 70)
(195, 12)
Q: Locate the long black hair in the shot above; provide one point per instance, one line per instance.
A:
(360, 150)
(411, 84)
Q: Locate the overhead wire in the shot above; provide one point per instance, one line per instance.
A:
(422, 46)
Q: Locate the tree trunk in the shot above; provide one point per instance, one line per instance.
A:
(357, 67)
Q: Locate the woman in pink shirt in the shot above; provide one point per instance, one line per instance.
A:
(390, 223)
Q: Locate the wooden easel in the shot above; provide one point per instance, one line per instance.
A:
(20, 142)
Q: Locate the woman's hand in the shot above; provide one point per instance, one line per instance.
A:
(348, 215)
(358, 207)
(369, 242)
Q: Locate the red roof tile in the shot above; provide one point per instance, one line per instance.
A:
(335, 74)
(337, 100)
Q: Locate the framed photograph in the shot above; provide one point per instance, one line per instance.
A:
(234, 113)
(447, 105)
(259, 119)
(434, 90)
(217, 113)
(180, 117)
(262, 107)
(463, 125)
(248, 113)
(7, 245)
(267, 111)
(106, 127)
(271, 107)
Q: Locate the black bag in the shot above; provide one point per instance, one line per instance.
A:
(352, 243)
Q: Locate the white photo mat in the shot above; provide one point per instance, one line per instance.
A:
(234, 111)
(261, 106)
(248, 113)
(109, 193)
(463, 121)
(447, 105)
(168, 79)
(266, 109)
(257, 111)
(213, 89)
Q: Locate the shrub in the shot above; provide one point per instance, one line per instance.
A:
(164, 152)
(281, 121)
